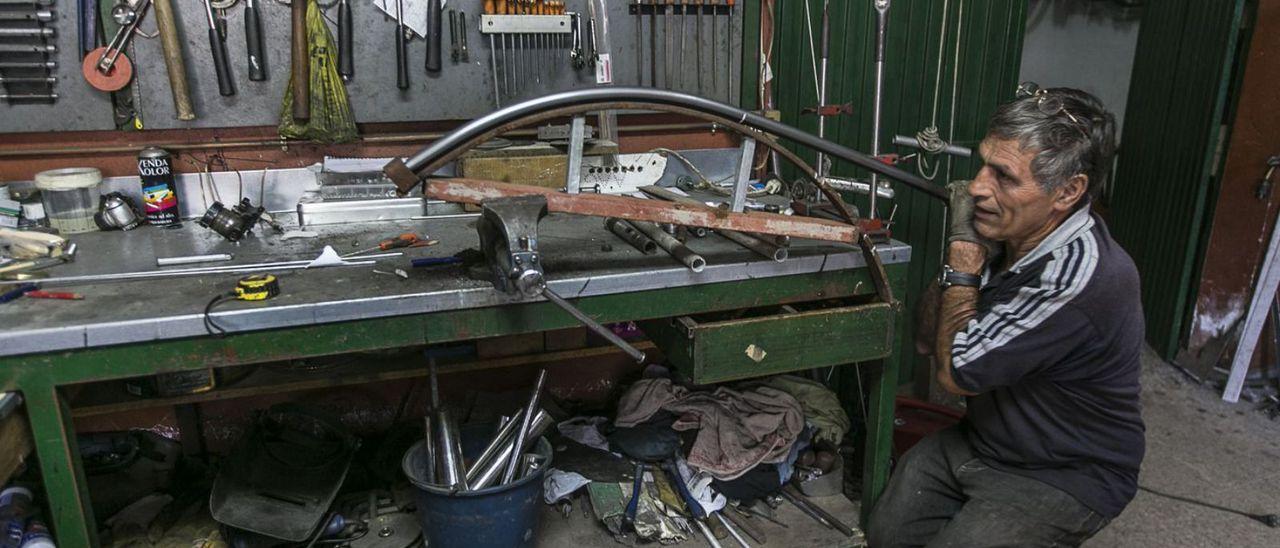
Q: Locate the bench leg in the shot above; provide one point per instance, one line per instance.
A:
(59, 456)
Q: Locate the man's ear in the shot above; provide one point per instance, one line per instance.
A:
(1070, 194)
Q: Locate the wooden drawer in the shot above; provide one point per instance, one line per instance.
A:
(777, 340)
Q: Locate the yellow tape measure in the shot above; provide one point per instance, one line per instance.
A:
(258, 287)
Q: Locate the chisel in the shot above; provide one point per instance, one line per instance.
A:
(253, 41)
(684, 28)
(636, 4)
(455, 51)
(668, 36)
(402, 49)
(226, 86)
(464, 52)
(346, 66)
(715, 47)
(653, 43)
(698, 37)
(435, 23)
(728, 54)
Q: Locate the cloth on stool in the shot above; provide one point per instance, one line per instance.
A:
(736, 429)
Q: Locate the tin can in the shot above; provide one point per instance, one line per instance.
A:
(159, 192)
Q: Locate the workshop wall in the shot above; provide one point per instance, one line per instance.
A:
(459, 91)
(1242, 220)
(990, 53)
(1083, 45)
(1166, 179)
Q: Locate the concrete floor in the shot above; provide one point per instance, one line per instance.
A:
(577, 531)
(1199, 447)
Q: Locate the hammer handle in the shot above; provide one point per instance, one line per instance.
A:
(301, 63)
(173, 62)
(345, 61)
(253, 42)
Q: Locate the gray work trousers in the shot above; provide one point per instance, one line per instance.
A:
(941, 494)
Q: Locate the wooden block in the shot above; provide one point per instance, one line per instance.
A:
(15, 444)
(510, 345)
(566, 339)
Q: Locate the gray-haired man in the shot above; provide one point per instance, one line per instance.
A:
(1043, 335)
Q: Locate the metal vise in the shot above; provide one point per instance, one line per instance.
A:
(508, 230)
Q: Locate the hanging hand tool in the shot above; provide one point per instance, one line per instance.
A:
(300, 61)
(698, 38)
(108, 68)
(174, 65)
(455, 51)
(491, 8)
(41, 16)
(728, 54)
(346, 65)
(715, 47)
(47, 65)
(28, 79)
(253, 41)
(464, 53)
(636, 5)
(684, 30)
(402, 48)
(653, 42)
(88, 26)
(435, 22)
(218, 46)
(668, 54)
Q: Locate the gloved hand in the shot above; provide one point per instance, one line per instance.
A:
(961, 228)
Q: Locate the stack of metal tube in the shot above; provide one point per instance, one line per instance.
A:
(504, 459)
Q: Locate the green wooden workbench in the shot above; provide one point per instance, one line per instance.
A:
(862, 331)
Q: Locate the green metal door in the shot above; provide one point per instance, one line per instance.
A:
(990, 52)
(1164, 180)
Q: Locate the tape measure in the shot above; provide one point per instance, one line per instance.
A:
(259, 287)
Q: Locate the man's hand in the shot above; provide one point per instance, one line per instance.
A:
(961, 228)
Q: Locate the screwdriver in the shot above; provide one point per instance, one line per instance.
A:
(408, 239)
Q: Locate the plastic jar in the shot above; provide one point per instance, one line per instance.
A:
(70, 197)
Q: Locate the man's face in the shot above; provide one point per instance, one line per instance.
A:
(1009, 203)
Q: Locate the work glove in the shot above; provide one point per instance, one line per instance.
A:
(961, 228)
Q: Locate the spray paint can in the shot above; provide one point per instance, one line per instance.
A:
(37, 536)
(159, 192)
(15, 508)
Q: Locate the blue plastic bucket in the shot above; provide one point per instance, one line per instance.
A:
(504, 516)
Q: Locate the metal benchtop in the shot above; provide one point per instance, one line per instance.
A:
(573, 250)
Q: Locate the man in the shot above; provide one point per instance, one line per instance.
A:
(1040, 326)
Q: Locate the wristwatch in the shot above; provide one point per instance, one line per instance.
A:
(951, 276)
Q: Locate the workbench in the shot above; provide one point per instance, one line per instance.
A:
(140, 328)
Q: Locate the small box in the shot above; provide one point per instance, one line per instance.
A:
(9, 213)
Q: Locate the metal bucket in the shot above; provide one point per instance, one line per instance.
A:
(504, 516)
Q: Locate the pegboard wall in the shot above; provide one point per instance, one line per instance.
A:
(458, 91)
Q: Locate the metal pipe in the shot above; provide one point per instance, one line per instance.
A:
(429, 446)
(821, 163)
(706, 533)
(791, 494)
(766, 249)
(500, 438)
(732, 532)
(850, 185)
(882, 29)
(954, 150)
(191, 259)
(230, 269)
(671, 245)
(489, 475)
(530, 410)
(594, 326)
(449, 453)
(615, 98)
(631, 236)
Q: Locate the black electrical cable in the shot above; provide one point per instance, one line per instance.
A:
(1270, 520)
(209, 325)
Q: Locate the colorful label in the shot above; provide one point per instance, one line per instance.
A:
(159, 195)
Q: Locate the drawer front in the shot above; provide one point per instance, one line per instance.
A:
(755, 347)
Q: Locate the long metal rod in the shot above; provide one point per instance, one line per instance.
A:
(452, 472)
(821, 164)
(667, 242)
(444, 149)
(604, 332)
(732, 532)
(765, 249)
(490, 474)
(230, 269)
(502, 436)
(882, 29)
(530, 410)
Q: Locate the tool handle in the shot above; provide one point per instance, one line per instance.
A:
(173, 62)
(88, 29)
(435, 261)
(300, 63)
(434, 24)
(402, 61)
(253, 42)
(345, 64)
(226, 87)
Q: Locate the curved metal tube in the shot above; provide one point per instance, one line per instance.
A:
(622, 98)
